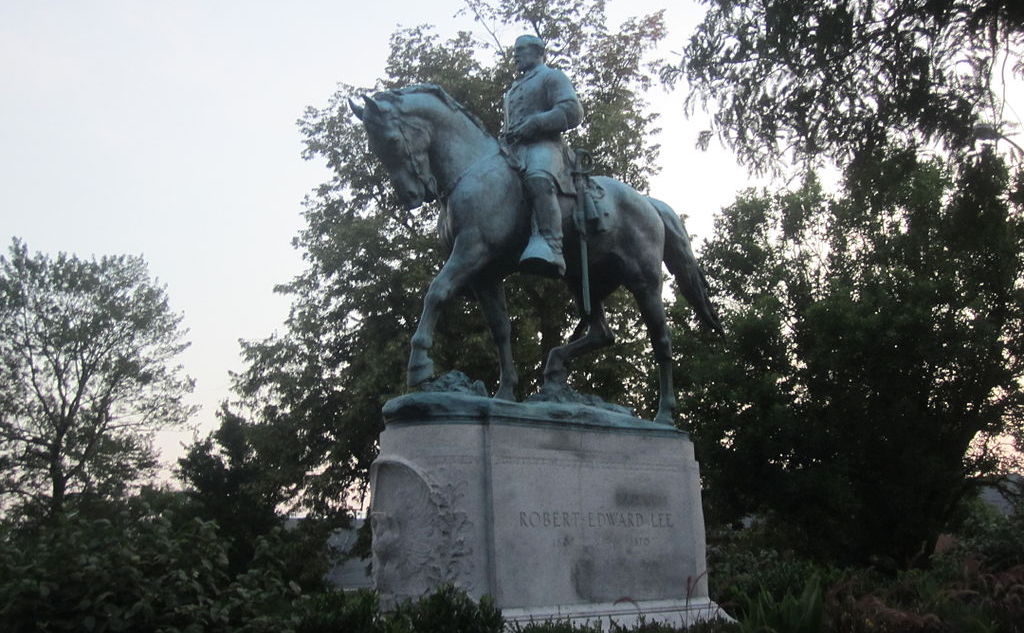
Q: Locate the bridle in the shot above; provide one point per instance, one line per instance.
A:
(420, 170)
(424, 175)
(420, 166)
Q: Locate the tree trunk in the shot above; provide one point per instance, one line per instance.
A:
(58, 485)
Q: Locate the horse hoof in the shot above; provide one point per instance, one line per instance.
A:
(419, 373)
(556, 378)
(505, 394)
(664, 417)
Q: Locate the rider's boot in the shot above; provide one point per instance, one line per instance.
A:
(543, 253)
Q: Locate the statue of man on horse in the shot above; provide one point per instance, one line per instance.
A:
(499, 216)
(539, 106)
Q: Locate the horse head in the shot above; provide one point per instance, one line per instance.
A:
(401, 141)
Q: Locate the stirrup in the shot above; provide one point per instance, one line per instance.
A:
(539, 258)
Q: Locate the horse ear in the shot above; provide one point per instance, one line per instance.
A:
(356, 108)
(372, 108)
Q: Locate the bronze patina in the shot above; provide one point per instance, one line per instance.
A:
(433, 148)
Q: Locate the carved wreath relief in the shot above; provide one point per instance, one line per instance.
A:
(419, 534)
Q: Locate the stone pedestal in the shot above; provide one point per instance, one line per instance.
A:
(556, 510)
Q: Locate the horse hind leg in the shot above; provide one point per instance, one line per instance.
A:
(598, 335)
(491, 295)
(652, 310)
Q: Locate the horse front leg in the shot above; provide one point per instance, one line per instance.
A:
(464, 261)
(491, 295)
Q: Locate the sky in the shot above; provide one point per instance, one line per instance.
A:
(167, 129)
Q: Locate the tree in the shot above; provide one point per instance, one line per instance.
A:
(86, 377)
(872, 357)
(225, 483)
(320, 385)
(846, 79)
(874, 354)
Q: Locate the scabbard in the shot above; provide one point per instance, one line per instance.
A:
(582, 167)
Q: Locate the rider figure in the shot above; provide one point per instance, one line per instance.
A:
(539, 106)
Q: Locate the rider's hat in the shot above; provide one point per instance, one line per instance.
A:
(530, 40)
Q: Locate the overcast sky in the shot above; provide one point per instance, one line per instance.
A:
(167, 129)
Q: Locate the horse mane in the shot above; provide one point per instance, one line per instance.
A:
(394, 96)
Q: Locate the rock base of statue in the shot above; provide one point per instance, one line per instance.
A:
(557, 511)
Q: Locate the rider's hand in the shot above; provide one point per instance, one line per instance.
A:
(527, 130)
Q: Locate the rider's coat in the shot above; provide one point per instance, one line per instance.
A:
(547, 95)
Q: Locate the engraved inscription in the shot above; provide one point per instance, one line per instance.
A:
(468, 460)
(561, 462)
(631, 499)
(593, 520)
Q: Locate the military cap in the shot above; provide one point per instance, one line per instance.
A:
(530, 40)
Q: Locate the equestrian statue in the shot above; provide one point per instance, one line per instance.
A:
(524, 203)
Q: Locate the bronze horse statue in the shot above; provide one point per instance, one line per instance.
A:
(434, 149)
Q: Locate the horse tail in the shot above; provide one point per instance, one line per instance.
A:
(682, 263)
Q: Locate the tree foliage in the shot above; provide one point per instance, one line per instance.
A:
(318, 387)
(225, 483)
(874, 354)
(87, 375)
(143, 568)
(799, 79)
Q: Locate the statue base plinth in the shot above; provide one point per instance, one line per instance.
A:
(627, 614)
(558, 511)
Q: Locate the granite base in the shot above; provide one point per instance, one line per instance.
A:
(555, 510)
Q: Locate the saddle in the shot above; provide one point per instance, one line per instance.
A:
(588, 216)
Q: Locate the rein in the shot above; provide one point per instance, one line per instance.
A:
(428, 180)
(425, 177)
(444, 193)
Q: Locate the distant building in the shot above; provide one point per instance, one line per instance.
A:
(1004, 500)
(350, 573)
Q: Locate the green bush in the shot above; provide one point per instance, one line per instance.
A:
(707, 626)
(764, 613)
(744, 564)
(997, 541)
(141, 570)
(711, 626)
(714, 626)
(956, 595)
(563, 626)
(340, 612)
(136, 573)
(448, 610)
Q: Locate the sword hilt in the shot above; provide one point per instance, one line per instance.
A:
(584, 161)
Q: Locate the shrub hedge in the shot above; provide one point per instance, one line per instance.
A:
(168, 573)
